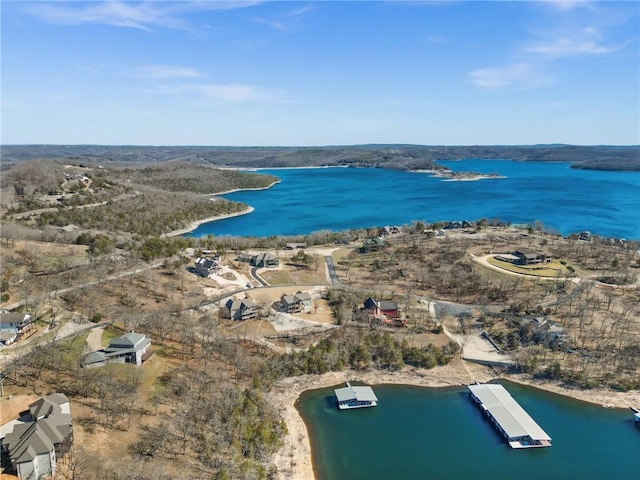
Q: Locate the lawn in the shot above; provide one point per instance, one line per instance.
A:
(297, 276)
(553, 269)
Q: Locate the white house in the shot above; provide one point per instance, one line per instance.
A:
(13, 320)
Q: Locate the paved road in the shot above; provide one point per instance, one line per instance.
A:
(258, 278)
(331, 270)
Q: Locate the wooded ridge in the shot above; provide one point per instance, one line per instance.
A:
(402, 157)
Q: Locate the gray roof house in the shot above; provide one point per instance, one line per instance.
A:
(129, 348)
(297, 302)
(19, 321)
(265, 260)
(372, 244)
(240, 309)
(35, 444)
(7, 337)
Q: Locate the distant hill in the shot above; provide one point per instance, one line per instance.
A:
(401, 157)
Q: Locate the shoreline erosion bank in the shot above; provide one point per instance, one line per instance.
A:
(295, 458)
(195, 224)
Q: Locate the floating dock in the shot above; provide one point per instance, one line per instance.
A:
(508, 417)
(355, 397)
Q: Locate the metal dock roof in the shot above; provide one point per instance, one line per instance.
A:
(362, 394)
(507, 412)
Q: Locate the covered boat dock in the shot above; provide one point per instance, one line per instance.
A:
(508, 417)
(355, 397)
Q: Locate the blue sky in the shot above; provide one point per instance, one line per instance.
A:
(320, 73)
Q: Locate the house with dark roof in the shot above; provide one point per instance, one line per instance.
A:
(40, 438)
(239, 309)
(129, 348)
(389, 230)
(265, 259)
(383, 307)
(528, 257)
(205, 266)
(296, 303)
(372, 244)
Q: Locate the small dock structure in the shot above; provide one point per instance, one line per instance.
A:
(355, 397)
(508, 417)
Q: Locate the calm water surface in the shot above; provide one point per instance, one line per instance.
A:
(568, 200)
(438, 433)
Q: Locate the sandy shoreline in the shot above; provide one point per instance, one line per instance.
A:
(294, 458)
(197, 223)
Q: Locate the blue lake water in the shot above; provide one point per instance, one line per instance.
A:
(565, 199)
(438, 433)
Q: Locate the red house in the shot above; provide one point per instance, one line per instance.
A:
(384, 307)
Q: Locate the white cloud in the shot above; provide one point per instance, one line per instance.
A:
(433, 38)
(234, 93)
(142, 15)
(163, 71)
(586, 41)
(286, 20)
(519, 76)
(567, 5)
(271, 23)
(228, 93)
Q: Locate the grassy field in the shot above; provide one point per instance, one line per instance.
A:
(553, 269)
(301, 276)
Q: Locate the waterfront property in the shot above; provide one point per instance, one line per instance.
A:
(355, 397)
(508, 417)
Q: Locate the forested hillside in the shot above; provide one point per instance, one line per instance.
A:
(404, 157)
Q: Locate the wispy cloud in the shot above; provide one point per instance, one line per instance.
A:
(228, 93)
(286, 20)
(163, 72)
(519, 76)
(566, 5)
(278, 25)
(143, 15)
(586, 41)
(433, 38)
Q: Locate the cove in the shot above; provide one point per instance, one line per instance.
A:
(564, 199)
(438, 433)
